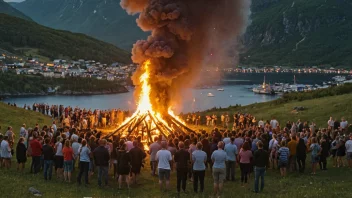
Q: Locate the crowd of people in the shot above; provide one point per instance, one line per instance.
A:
(253, 146)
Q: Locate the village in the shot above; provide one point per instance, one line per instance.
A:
(61, 68)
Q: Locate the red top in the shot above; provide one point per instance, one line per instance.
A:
(68, 153)
(36, 147)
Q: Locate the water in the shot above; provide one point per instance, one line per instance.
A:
(193, 99)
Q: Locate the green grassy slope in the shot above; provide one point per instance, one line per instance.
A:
(52, 43)
(15, 117)
(317, 110)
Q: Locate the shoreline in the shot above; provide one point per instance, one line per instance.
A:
(64, 93)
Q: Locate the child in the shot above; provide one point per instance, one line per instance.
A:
(284, 154)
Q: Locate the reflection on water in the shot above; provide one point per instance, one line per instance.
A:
(193, 99)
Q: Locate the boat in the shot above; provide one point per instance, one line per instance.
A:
(210, 95)
(339, 78)
(220, 89)
(264, 89)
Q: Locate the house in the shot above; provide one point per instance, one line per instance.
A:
(57, 61)
(59, 74)
(48, 74)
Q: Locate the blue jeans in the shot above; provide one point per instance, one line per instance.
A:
(48, 169)
(259, 173)
(103, 173)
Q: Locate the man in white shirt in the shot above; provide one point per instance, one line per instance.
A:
(261, 123)
(164, 159)
(274, 123)
(343, 124)
(23, 131)
(331, 123)
(348, 146)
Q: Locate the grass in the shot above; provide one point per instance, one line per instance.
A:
(35, 54)
(335, 182)
(317, 110)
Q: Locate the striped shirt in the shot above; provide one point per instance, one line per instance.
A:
(284, 154)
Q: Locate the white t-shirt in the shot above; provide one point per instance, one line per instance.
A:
(349, 146)
(164, 157)
(59, 149)
(274, 123)
(75, 148)
(261, 123)
(331, 123)
(343, 124)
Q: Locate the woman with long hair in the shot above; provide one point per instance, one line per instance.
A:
(59, 158)
(301, 153)
(245, 156)
(68, 160)
(21, 154)
(315, 149)
(123, 165)
(84, 160)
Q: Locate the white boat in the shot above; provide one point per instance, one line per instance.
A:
(264, 89)
(339, 78)
(210, 95)
(220, 89)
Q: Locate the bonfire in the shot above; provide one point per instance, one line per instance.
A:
(147, 120)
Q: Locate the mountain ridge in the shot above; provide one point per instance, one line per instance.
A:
(10, 10)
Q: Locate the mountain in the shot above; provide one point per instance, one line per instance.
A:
(102, 19)
(299, 32)
(16, 32)
(8, 9)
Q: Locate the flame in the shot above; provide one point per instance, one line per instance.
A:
(144, 105)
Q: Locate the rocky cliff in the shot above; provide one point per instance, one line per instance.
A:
(299, 32)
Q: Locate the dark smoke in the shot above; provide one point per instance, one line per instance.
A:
(184, 34)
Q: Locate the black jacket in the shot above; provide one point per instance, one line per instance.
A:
(101, 156)
(261, 158)
(48, 152)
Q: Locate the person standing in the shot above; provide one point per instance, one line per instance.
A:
(101, 158)
(182, 158)
(231, 154)
(164, 159)
(123, 165)
(219, 173)
(137, 156)
(348, 146)
(59, 158)
(84, 160)
(316, 149)
(5, 153)
(68, 161)
(36, 154)
(75, 147)
(199, 159)
(301, 153)
(292, 146)
(261, 159)
(284, 154)
(325, 147)
(21, 154)
(48, 154)
(153, 149)
(245, 162)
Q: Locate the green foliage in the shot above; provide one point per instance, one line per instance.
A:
(277, 26)
(54, 43)
(24, 84)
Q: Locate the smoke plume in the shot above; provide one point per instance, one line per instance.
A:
(184, 33)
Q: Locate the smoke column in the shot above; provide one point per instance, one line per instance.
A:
(182, 33)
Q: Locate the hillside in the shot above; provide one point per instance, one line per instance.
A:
(16, 32)
(299, 32)
(319, 106)
(102, 19)
(8, 9)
